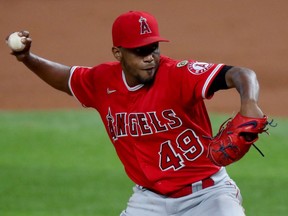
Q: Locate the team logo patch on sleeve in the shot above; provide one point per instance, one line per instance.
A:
(198, 68)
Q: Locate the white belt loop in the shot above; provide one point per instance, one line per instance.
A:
(197, 186)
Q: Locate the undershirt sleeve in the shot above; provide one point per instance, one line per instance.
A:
(219, 82)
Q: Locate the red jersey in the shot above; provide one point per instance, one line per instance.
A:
(156, 129)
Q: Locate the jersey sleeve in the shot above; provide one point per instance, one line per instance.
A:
(197, 77)
(81, 85)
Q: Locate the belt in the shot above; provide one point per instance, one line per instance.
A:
(187, 190)
(192, 188)
(197, 186)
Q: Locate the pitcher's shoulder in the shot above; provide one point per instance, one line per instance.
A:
(169, 62)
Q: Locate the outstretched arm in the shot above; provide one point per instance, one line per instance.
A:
(54, 74)
(246, 83)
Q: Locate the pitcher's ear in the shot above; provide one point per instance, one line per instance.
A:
(117, 53)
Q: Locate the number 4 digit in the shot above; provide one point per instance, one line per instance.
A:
(169, 158)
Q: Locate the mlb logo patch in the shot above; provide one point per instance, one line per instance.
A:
(198, 68)
(182, 63)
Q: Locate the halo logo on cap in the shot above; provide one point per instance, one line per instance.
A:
(144, 27)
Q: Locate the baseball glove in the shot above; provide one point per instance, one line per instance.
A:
(234, 139)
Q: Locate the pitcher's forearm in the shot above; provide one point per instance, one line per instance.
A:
(54, 74)
(246, 83)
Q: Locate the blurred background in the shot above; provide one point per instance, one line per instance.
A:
(244, 33)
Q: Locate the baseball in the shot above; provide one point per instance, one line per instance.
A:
(15, 43)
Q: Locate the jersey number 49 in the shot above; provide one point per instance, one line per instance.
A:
(189, 144)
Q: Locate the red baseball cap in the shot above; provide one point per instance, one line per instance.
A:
(135, 29)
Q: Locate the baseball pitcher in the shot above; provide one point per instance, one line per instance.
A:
(153, 110)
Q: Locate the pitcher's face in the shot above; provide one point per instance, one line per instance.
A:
(139, 64)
